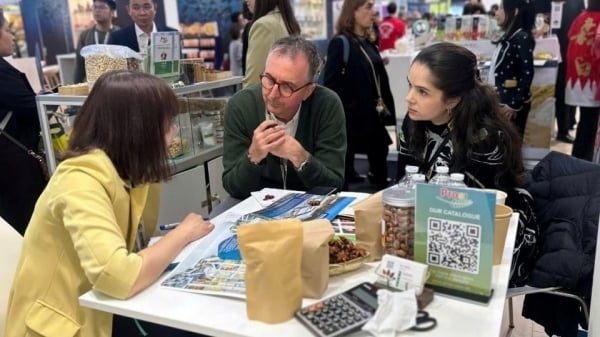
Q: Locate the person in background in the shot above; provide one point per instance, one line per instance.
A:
(284, 132)
(103, 11)
(511, 67)
(137, 35)
(100, 202)
(273, 19)
(565, 114)
(583, 79)
(247, 10)
(21, 176)
(364, 89)
(235, 52)
(235, 25)
(493, 10)
(454, 120)
(473, 8)
(390, 29)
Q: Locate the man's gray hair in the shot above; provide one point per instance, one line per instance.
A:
(293, 45)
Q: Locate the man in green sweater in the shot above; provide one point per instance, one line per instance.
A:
(286, 132)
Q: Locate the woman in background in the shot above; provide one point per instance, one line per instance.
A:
(21, 176)
(272, 20)
(89, 226)
(454, 120)
(583, 78)
(511, 68)
(363, 86)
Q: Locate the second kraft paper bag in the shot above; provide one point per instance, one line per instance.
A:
(367, 216)
(315, 257)
(272, 252)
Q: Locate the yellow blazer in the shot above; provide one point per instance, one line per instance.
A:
(80, 237)
(263, 33)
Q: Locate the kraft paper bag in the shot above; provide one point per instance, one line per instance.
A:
(315, 258)
(367, 218)
(272, 252)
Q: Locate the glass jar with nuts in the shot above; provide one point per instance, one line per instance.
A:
(399, 222)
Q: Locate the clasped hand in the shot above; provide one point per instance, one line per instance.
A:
(270, 137)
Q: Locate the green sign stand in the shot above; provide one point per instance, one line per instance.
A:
(454, 236)
(165, 55)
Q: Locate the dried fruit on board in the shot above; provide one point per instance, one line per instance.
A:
(342, 250)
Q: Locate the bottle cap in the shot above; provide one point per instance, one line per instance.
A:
(441, 169)
(399, 197)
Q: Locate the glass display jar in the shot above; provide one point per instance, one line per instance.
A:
(398, 222)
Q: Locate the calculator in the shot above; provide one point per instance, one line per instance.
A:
(341, 314)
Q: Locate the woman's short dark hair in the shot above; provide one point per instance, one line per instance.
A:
(524, 18)
(127, 115)
(262, 7)
(477, 110)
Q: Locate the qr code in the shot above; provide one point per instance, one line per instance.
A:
(453, 245)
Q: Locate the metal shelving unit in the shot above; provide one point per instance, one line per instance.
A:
(186, 162)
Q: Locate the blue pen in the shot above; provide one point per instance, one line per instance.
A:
(170, 226)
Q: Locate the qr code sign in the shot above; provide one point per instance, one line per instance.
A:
(453, 245)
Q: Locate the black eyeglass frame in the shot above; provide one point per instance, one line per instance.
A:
(292, 91)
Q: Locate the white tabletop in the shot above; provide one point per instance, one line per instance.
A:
(220, 316)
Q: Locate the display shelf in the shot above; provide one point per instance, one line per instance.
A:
(48, 104)
(44, 101)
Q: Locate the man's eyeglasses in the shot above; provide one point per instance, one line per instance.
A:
(285, 90)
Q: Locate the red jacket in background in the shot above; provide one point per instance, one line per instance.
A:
(390, 30)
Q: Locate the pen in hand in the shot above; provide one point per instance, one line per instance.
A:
(174, 225)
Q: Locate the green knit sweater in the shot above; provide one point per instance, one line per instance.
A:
(321, 131)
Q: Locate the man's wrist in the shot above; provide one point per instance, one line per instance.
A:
(302, 164)
(253, 162)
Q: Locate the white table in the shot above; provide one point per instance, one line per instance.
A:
(219, 316)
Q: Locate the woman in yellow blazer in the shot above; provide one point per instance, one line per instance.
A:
(273, 20)
(83, 231)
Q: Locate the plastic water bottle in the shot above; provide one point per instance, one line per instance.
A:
(409, 171)
(457, 180)
(416, 179)
(441, 176)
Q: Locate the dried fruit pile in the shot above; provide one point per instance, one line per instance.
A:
(342, 250)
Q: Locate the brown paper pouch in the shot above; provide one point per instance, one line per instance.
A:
(315, 257)
(367, 216)
(272, 252)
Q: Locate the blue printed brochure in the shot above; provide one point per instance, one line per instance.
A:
(454, 236)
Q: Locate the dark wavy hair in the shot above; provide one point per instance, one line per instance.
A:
(524, 18)
(262, 7)
(478, 110)
(346, 22)
(127, 115)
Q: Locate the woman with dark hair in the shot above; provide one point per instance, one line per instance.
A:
(511, 67)
(272, 20)
(89, 226)
(583, 78)
(247, 14)
(454, 120)
(21, 176)
(362, 83)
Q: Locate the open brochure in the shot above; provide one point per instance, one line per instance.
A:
(210, 275)
(303, 206)
(202, 271)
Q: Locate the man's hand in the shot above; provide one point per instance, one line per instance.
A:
(267, 136)
(291, 150)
